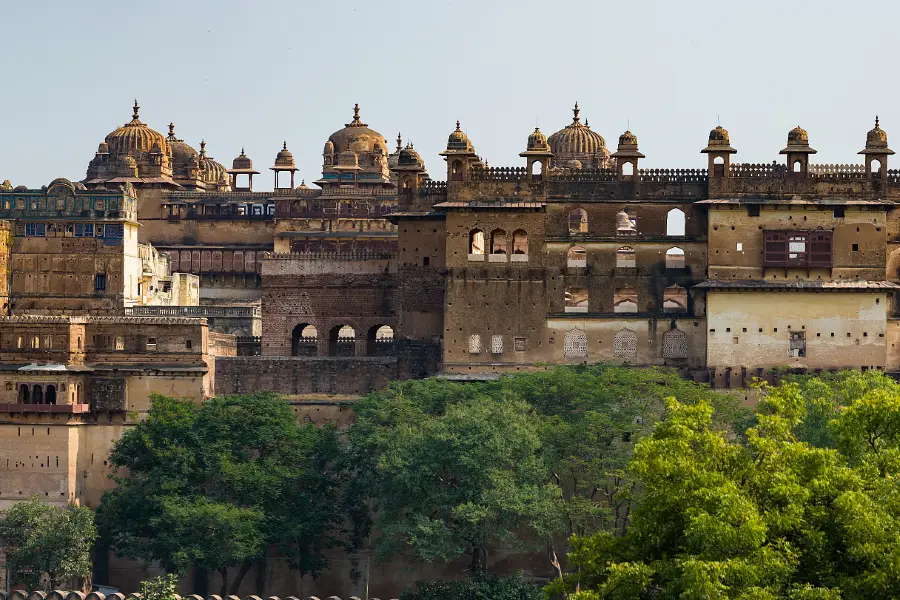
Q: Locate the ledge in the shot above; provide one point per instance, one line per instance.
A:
(45, 408)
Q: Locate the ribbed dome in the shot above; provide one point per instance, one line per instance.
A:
(458, 139)
(181, 152)
(212, 171)
(877, 137)
(537, 141)
(348, 159)
(355, 136)
(242, 162)
(798, 137)
(628, 139)
(284, 158)
(409, 157)
(135, 137)
(576, 141)
(719, 137)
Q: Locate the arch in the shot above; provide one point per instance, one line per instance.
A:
(576, 300)
(37, 395)
(628, 169)
(675, 258)
(342, 341)
(24, 395)
(625, 300)
(50, 395)
(675, 299)
(578, 221)
(875, 166)
(576, 257)
(575, 344)
(476, 242)
(675, 222)
(797, 167)
(537, 169)
(626, 222)
(719, 160)
(674, 344)
(456, 170)
(625, 344)
(498, 241)
(625, 258)
(35, 343)
(520, 242)
(304, 340)
(380, 341)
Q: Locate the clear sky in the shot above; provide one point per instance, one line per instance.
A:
(254, 73)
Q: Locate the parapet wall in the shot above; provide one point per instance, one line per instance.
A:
(64, 595)
(303, 374)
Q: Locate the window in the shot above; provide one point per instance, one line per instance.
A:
(675, 299)
(575, 344)
(520, 242)
(20, 343)
(674, 344)
(120, 342)
(576, 300)
(151, 343)
(578, 221)
(476, 242)
(35, 343)
(99, 230)
(625, 258)
(84, 230)
(839, 212)
(626, 222)
(675, 222)
(753, 210)
(854, 247)
(496, 344)
(474, 344)
(625, 300)
(797, 347)
(35, 229)
(576, 257)
(798, 249)
(675, 258)
(188, 344)
(519, 344)
(625, 344)
(100, 282)
(498, 242)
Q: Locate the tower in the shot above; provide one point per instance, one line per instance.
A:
(719, 152)
(876, 152)
(797, 151)
(537, 155)
(284, 162)
(460, 154)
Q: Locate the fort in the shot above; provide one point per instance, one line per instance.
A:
(164, 271)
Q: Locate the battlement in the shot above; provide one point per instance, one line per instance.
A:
(193, 311)
(63, 199)
(335, 256)
(64, 595)
(115, 320)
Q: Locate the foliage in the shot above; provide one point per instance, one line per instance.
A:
(214, 486)
(43, 542)
(775, 518)
(438, 457)
(160, 588)
(478, 587)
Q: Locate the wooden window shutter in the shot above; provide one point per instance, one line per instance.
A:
(775, 251)
(820, 246)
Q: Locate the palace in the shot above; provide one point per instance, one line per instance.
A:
(164, 271)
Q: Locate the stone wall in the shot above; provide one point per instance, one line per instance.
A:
(303, 375)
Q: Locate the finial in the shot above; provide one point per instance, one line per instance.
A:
(202, 148)
(356, 113)
(136, 109)
(302, 182)
(576, 111)
(285, 145)
(172, 129)
(242, 151)
(587, 123)
(876, 120)
(457, 125)
(399, 142)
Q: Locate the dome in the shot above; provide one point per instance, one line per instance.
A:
(135, 137)
(181, 152)
(576, 141)
(798, 142)
(355, 136)
(103, 148)
(719, 141)
(409, 157)
(628, 139)
(284, 159)
(329, 147)
(213, 172)
(242, 163)
(538, 141)
(877, 137)
(628, 146)
(458, 140)
(349, 159)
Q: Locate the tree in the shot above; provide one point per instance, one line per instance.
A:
(45, 543)
(215, 486)
(160, 588)
(775, 518)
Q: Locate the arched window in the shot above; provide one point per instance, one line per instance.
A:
(626, 222)
(675, 258)
(575, 344)
(625, 344)
(342, 341)
(50, 395)
(576, 300)
(37, 395)
(798, 166)
(304, 338)
(476, 242)
(578, 221)
(625, 258)
(35, 343)
(675, 299)
(20, 342)
(674, 344)
(875, 166)
(625, 300)
(675, 222)
(456, 170)
(628, 169)
(537, 168)
(520, 242)
(24, 394)
(380, 341)
(498, 242)
(576, 257)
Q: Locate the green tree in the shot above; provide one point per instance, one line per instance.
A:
(45, 543)
(215, 486)
(160, 588)
(775, 518)
(479, 586)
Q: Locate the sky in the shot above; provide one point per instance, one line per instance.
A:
(252, 74)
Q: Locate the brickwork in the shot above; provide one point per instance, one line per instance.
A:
(304, 375)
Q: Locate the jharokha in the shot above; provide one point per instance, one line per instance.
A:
(164, 271)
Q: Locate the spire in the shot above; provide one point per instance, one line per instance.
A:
(285, 145)
(356, 122)
(399, 142)
(136, 109)
(171, 129)
(587, 124)
(575, 110)
(457, 125)
(876, 121)
(202, 148)
(356, 113)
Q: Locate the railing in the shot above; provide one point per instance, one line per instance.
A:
(46, 408)
(339, 256)
(672, 175)
(588, 175)
(499, 173)
(194, 311)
